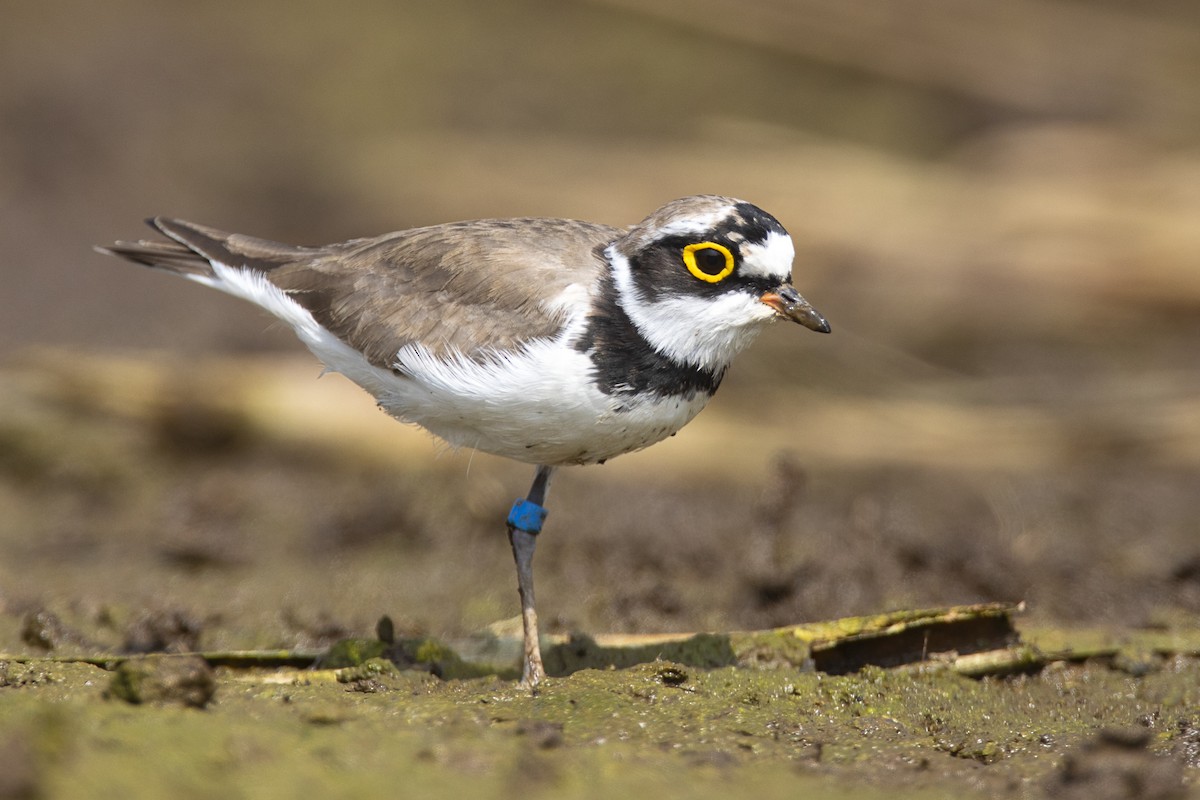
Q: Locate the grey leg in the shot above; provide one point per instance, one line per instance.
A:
(524, 524)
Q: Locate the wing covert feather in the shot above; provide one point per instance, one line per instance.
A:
(466, 287)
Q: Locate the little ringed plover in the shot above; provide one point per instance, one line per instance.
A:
(547, 341)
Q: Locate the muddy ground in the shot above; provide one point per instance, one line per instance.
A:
(153, 509)
(994, 204)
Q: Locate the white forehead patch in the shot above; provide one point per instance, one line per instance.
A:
(772, 259)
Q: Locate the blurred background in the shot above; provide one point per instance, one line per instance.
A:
(997, 206)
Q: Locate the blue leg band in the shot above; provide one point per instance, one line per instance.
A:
(526, 516)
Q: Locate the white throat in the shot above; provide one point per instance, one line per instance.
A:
(698, 331)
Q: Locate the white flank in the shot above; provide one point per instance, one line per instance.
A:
(538, 405)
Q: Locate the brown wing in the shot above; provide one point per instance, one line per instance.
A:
(468, 287)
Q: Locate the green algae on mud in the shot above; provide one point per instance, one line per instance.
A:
(663, 727)
(270, 543)
(977, 639)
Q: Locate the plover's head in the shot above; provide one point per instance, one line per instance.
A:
(701, 275)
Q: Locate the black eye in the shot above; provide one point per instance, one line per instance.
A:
(708, 261)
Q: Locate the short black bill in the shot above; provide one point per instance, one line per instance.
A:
(788, 304)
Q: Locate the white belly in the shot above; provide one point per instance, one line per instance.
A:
(539, 407)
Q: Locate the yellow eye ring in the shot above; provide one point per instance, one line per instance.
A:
(689, 260)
